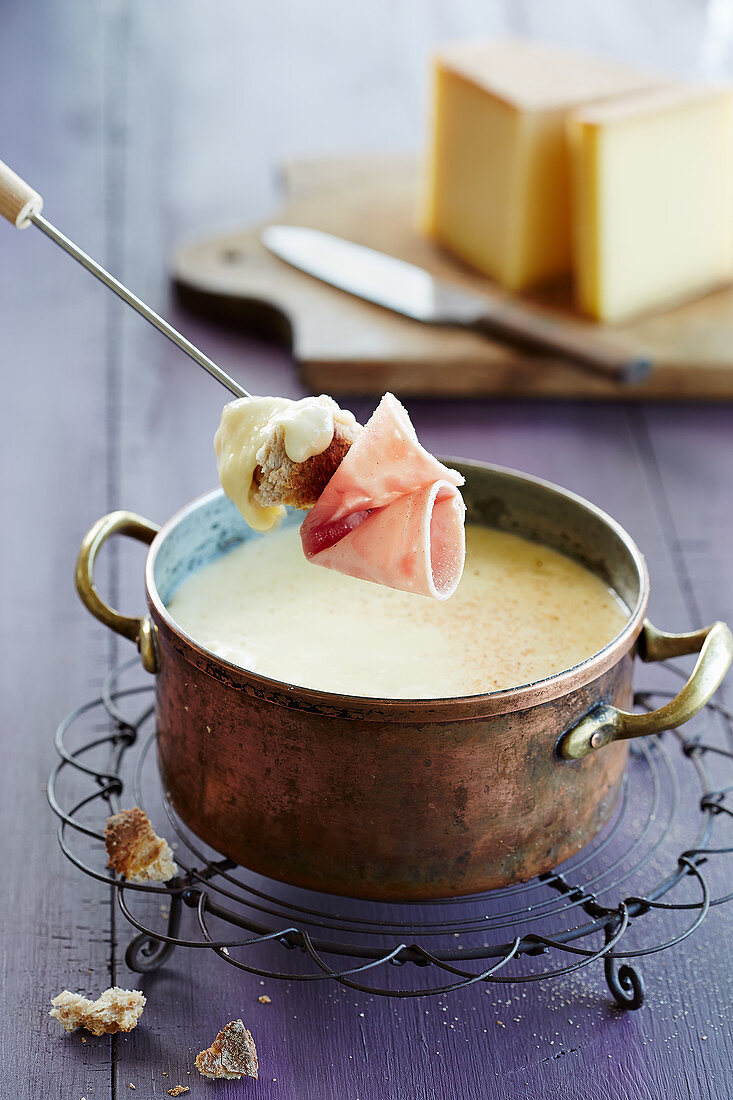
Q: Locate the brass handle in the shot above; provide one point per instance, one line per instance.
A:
(606, 723)
(137, 628)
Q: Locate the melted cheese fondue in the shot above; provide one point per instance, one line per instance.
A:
(521, 613)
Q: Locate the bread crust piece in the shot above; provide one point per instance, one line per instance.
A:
(135, 850)
(115, 1010)
(279, 480)
(232, 1055)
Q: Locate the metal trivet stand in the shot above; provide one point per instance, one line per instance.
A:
(659, 838)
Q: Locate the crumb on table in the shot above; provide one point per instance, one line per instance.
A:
(114, 1010)
(232, 1055)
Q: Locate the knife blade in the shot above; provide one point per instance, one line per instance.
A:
(413, 292)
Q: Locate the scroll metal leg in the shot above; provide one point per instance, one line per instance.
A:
(626, 983)
(145, 953)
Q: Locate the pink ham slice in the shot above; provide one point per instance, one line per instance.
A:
(391, 513)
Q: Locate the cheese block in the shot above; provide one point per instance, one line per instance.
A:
(653, 199)
(497, 189)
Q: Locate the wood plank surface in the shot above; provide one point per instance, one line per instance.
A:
(135, 147)
(343, 343)
(56, 928)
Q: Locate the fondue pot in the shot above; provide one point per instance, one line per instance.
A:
(389, 798)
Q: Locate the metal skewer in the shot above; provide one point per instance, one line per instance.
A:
(22, 206)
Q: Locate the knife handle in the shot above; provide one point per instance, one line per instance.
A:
(524, 328)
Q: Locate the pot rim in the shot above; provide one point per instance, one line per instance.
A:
(336, 704)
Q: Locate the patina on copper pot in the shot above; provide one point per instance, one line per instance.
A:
(395, 799)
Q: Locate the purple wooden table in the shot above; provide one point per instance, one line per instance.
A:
(133, 120)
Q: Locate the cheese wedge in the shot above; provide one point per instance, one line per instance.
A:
(653, 199)
(497, 190)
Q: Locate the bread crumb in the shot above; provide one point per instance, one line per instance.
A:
(178, 1090)
(264, 999)
(135, 850)
(115, 1010)
(232, 1054)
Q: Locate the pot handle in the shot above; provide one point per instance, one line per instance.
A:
(606, 723)
(138, 629)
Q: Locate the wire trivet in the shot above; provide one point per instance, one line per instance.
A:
(665, 828)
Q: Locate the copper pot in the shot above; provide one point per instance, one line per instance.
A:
(395, 799)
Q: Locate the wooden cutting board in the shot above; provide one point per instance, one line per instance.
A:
(345, 346)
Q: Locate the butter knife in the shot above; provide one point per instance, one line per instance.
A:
(410, 290)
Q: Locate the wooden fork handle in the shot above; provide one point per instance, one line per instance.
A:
(18, 201)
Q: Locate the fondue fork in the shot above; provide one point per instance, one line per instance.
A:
(22, 206)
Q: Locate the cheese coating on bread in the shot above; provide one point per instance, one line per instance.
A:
(272, 452)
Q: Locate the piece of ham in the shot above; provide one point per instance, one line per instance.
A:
(391, 513)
